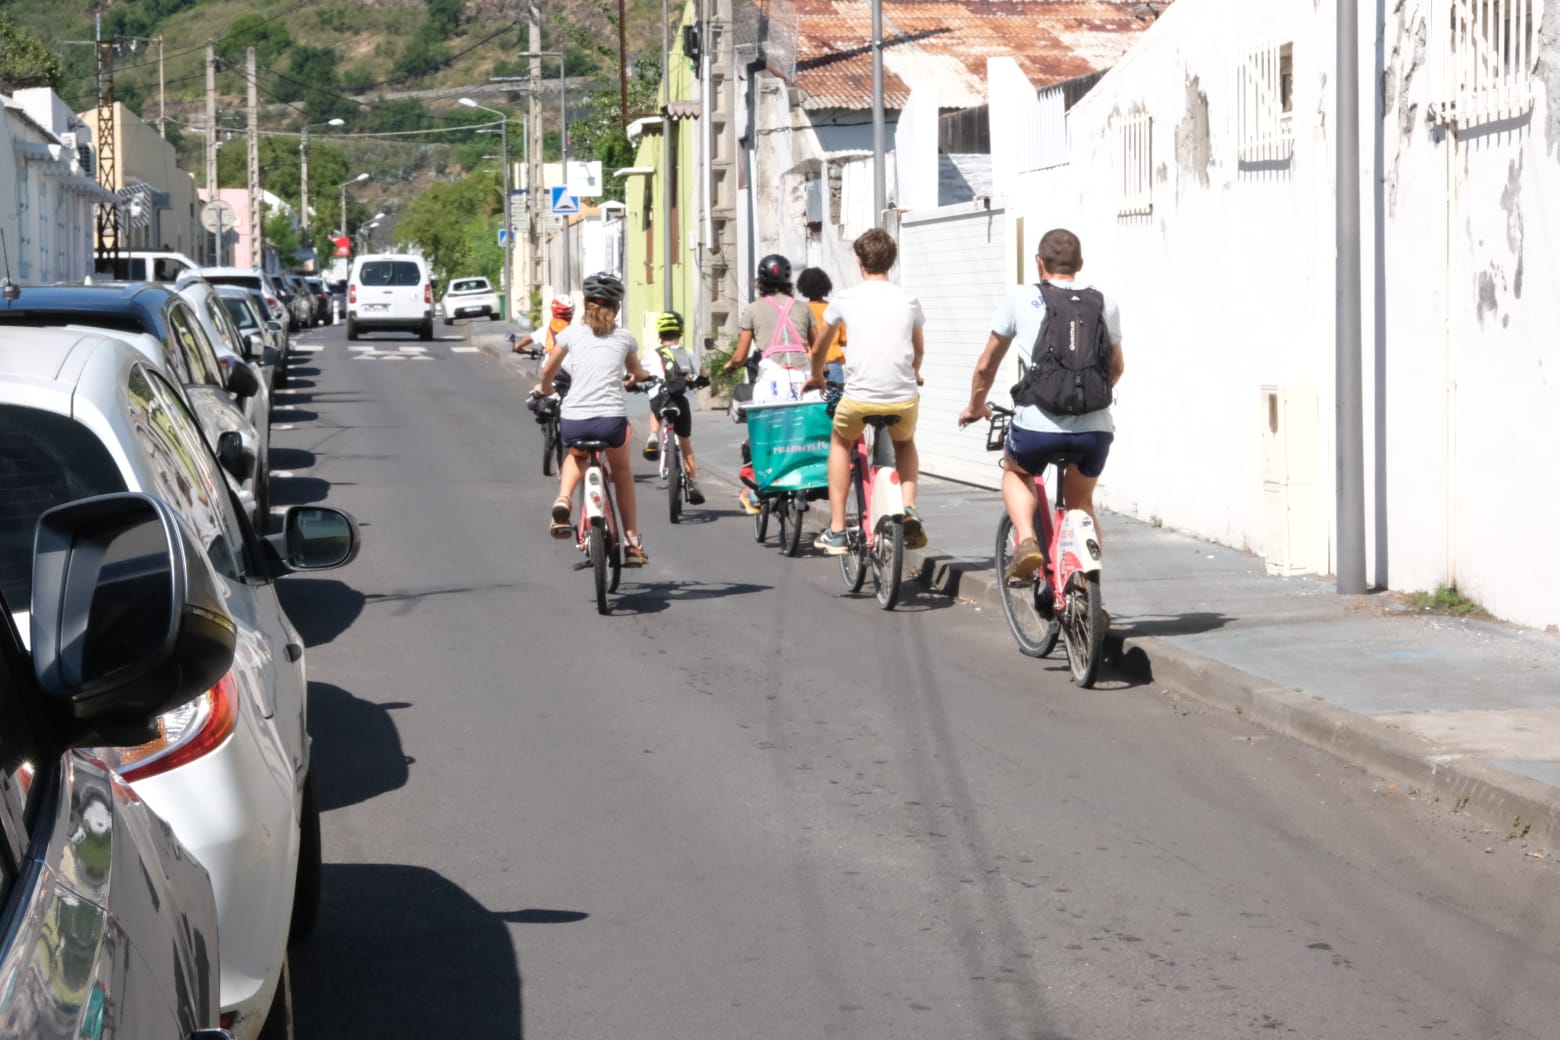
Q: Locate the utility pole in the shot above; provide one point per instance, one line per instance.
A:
(211, 133)
(533, 130)
(667, 129)
(879, 137)
(162, 94)
(303, 184)
(256, 233)
(1350, 418)
(107, 212)
(622, 64)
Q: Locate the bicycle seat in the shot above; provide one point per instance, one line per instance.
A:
(878, 422)
(591, 445)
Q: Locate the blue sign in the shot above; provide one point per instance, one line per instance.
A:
(503, 236)
(563, 202)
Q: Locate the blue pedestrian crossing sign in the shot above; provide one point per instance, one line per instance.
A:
(503, 236)
(563, 202)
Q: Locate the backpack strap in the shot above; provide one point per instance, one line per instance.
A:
(786, 338)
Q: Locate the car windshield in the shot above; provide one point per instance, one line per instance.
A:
(249, 281)
(46, 460)
(239, 311)
(390, 272)
(470, 285)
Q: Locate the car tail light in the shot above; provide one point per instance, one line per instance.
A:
(428, 292)
(352, 294)
(183, 734)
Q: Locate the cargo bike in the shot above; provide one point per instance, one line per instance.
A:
(788, 446)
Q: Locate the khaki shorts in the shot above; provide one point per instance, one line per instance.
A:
(850, 418)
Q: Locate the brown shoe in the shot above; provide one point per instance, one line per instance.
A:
(1026, 560)
(634, 554)
(561, 527)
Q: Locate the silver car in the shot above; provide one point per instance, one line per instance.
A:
(262, 336)
(229, 771)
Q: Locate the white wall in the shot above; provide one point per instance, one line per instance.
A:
(1227, 288)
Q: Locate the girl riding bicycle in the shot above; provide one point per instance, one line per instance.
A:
(598, 354)
(562, 316)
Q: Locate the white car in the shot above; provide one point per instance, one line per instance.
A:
(87, 415)
(389, 292)
(470, 298)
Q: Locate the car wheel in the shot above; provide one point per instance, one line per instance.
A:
(495, 316)
(426, 331)
(306, 893)
(449, 321)
(279, 1020)
(352, 332)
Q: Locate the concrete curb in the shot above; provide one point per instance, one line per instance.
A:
(1510, 805)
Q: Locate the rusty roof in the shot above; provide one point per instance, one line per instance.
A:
(948, 42)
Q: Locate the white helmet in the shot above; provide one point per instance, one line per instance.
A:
(563, 306)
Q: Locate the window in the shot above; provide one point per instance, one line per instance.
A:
(649, 226)
(1135, 165)
(1487, 49)
(190, 341)
(1264, 104)
(398, 273)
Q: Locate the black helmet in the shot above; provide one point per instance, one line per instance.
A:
(606, 288)
(774, 271)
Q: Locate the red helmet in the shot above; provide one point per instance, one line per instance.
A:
(563, 306)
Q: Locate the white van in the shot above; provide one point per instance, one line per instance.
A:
(389, 291)
(139, 265)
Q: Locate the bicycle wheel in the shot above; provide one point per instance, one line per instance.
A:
(791, 507)
(550, 448)
(1083, 628)
(853, 565)
(614, 560)
(597, 543)
(761, 520)
(674, 478)
(888, 560)
(1033, 625)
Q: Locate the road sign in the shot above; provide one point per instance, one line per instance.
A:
(218, 212)
(343, 245)
(503, 236)
(563, 202)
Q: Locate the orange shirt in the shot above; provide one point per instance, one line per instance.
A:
(837, 345)
(554, 327)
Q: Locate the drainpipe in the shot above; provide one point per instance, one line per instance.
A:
(667, 129)
(879, 137)
(1349, 392)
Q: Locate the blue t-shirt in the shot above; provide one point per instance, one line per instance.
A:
(1020, 316)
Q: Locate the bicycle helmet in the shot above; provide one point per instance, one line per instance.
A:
(563, 306)
(774, 271)
(605, 288)
(671, 322)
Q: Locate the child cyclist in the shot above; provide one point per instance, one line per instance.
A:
(882, 376)
(672, 363)
(815, 284)
(562, 317)
(596, 408)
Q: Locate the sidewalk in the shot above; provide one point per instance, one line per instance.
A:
(1466, 713)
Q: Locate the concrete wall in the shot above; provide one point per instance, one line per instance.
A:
(1226, 415)
(49, 229)
(143, 157)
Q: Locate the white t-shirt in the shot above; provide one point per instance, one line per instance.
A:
(1021, 316)
(880, 361)
(595, 367)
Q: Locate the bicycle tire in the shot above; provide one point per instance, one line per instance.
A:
(614, 560)
(1035, 633)
(761, 520)
(853, 565)
(888, 561)
(549, 447)
(674, 478)
(791, 507)
(597, 546)
(1083, 628)
(558, 445)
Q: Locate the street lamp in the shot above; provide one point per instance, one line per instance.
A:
(360, 178)
(563, 131)
(303, 173)
(509, 233)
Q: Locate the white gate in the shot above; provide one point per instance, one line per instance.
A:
(959, 263)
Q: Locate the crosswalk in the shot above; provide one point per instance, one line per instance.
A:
(391, 351)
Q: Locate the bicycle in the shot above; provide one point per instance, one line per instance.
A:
(547, 411)
(1063, 596)
(875, 529)
(596, 533)
(672, 473)
(788, 447)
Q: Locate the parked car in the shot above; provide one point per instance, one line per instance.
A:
(470, 298)
(302, 301)
(251, 278)
(110, 924)
(230, 770)
(145, 265)
(389, 291)
(338, 298)
(179, 343)
(324, 314)
(262, 336)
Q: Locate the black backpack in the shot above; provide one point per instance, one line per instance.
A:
(1069, 369)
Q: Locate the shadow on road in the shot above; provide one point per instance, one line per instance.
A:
(1187, 624)
(401, 951)
(291, 460)
(320, 608)
(284, 412)
(654, 597)
(357, 748)
(298, 491)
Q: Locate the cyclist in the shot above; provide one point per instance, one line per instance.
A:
(675, 367)
(597, 353)
(1036, 433)
(882, 377)
(784, 325)
(815, 284)
(562, 317)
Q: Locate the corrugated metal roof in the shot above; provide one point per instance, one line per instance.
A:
(949, 41)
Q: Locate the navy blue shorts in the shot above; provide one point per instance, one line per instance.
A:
(1032, 448)
(611, 429)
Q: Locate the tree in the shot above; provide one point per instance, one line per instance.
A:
(269, 38)
(25, 61)
(281, 233)
(455, 225)
(600, 135)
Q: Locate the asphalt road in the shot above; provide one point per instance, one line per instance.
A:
(747, 805)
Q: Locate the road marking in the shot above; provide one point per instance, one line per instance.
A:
(465, 350)
(412, 350)
(283, 426)
(282, 473)
(369, 349)
(308, 348)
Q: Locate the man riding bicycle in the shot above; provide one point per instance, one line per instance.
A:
(562, 317)
(675, 367)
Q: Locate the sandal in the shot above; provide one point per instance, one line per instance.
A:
(634, 554)
(561, 526)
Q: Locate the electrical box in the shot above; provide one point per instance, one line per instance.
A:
(1295, 540)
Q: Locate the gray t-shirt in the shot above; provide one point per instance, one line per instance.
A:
(761, 317)
(595, 366)
(1021, 316)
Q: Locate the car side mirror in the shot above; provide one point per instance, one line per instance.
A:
(242, 381)
(127, 621)
(273, 325)
(270, 356)
(252, 344)
(316, 538)
(235, 456)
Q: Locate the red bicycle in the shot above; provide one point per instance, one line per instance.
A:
(1063, 597)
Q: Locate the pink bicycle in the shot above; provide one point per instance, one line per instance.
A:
(1063, 597)
(875, 515)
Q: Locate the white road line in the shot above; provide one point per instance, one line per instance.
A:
(283, 426)
(465, 350)
(412, 350)
(282, 473)
(360, 349)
